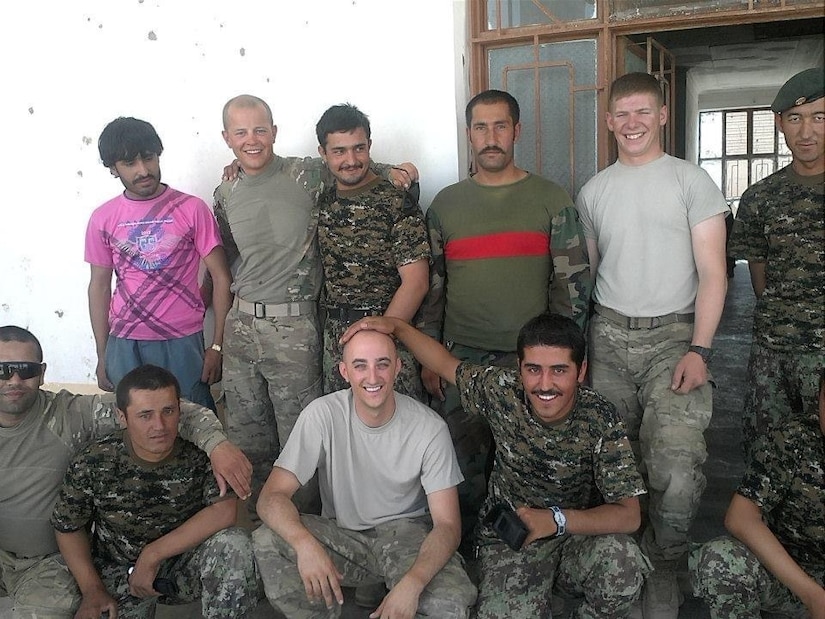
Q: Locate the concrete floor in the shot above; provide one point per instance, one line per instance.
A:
(723, 468)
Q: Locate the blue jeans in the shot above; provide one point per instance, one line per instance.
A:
(182, 356)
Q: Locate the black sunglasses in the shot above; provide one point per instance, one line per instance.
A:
(24, 369)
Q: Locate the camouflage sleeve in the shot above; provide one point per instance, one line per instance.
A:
(571, 285)
(410, 242)
(221, 196)
(431, 313)
(616, 474)
(199, 425)
(747, 240)
(79, 419)
(74, 507)
(768, 472)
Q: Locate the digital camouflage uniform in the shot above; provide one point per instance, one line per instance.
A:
(34, 456)
(361, 557)
(786, 479)
(579, 463)
(133, 503)
(781, 222)
(365, 236)
(501, 255)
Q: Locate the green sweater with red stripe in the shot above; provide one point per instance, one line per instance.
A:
(501, 255)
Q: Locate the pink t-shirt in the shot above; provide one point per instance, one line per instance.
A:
(155, 247)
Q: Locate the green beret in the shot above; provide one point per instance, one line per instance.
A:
(804, 87)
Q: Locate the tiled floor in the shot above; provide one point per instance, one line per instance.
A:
(723, 468)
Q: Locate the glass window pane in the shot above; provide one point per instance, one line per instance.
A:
(736, 133)
(714, 168)
(736, 177)
(784, 160)
(558, 140)
(764, 131)
(760, 168)
(710, 134)
(516, 13)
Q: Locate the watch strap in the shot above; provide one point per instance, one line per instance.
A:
(705, 353)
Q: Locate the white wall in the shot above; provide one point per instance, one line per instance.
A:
(71, 67)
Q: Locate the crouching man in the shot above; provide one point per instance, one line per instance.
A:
(160, 524)
(775, 561)
(563, 492)
(388, 477)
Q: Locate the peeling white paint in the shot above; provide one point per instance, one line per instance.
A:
(302, 57)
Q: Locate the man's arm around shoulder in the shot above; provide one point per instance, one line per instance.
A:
(321, 578)
(436, 550)
(200, 426)
(744, 521)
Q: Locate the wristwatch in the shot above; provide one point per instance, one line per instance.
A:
(217, 348)
(705, 353)
(561, 521)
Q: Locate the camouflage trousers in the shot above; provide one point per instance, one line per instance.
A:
(408, 381)
(729, 577)
(633, 369)
(220, 572)
(40, 587)
(271, 371)
(781, 385)
(608, 570)
(472, 439)
(381, 554)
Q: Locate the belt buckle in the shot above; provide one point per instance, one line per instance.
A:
(293, 309)
(656, 322)
(259, 310)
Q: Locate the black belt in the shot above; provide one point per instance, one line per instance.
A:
(649, 322)
(348, 315)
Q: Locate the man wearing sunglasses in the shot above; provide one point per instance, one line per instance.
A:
(39, 432)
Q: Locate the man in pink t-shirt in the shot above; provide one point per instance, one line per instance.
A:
(153, 238)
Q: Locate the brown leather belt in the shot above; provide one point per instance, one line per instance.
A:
(651, 322)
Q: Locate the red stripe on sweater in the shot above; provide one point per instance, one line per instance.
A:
(500, 245)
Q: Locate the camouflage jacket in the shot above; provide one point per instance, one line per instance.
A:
(786, 479)
(579, 463)
(131, 502)
(781, 222)
(365, 235)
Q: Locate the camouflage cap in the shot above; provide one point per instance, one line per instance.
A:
(804, 87)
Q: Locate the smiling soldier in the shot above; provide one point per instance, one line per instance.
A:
(563, 464)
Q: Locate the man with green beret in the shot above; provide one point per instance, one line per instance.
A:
(780, 231)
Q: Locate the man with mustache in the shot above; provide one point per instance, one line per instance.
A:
(563, 464)
(506, 245)
(373, 244)
(153, 238)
